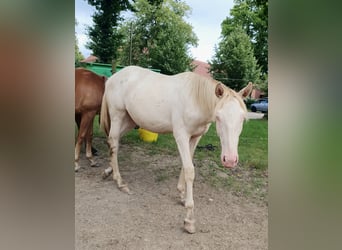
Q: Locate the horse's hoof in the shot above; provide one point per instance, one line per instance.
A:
(77, 168)
(107, 172)
(125, 189)
(105, 175)
(189, 226)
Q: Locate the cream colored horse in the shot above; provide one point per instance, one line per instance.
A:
(184, 104)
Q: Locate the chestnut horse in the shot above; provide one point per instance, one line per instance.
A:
(185, 105)
(89, 89)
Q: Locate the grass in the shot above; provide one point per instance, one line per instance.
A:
(249, 179)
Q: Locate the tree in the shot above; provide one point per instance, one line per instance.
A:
(78, 54)
(252, 16)
(104, 38)
(158, 37)
(234, 63)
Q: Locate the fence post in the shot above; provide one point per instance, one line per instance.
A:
(113, 66)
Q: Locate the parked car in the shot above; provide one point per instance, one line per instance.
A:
(260, 105)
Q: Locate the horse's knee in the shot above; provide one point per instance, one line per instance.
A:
(180, 187)
(189, 174)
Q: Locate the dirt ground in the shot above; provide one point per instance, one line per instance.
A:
(152, 217)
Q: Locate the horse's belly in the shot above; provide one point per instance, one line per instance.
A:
(151, 114)
(151, 120)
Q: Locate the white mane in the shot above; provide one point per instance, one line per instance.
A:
(202, 90)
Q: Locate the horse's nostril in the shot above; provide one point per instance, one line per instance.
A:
(224, 158)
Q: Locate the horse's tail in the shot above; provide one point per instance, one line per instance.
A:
(104, 116)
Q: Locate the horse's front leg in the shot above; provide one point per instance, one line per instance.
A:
(181, 181)
(181, 186)
(182, 140)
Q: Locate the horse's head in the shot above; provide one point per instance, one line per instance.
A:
(230, 115)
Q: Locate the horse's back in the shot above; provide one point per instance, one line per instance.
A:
(88, 79)
(135, 82)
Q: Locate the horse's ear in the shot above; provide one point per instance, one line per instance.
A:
(219, 90)
(246, 91)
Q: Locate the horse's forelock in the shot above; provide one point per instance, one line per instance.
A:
(238, 97)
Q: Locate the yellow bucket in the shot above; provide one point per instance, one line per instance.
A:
(147, 136)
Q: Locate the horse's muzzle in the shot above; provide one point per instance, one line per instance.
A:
(229, 162)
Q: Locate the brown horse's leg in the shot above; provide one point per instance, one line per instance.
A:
(77, 146)
(89, 138)
(93, 150)
(78, 120)
(84, 124)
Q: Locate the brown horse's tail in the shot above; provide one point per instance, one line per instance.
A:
(104, 116)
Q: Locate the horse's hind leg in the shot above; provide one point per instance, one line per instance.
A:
(120, 123)
(79, 140)
(78, 122)
(78, 143)
(82, 133)
(89, 137)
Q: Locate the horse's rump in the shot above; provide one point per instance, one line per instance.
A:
(89, 89)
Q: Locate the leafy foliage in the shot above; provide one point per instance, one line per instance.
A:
(252, 16)
(234, 63)
(242, 54)
(104, 37)
(158, 37)
(78, 54)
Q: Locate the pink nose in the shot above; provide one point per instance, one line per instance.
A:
(229, 162)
